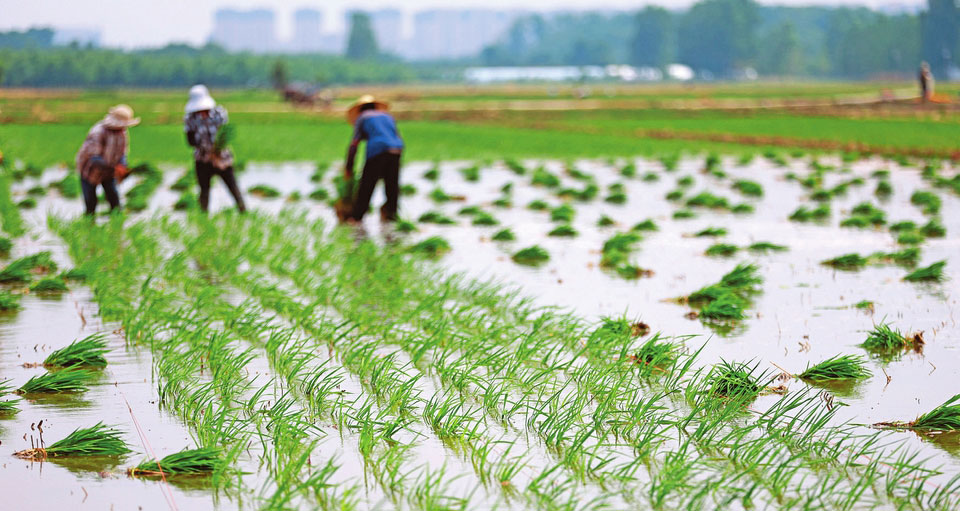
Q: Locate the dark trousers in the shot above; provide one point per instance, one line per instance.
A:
(90, 194)
(384, 166)
(205, 173)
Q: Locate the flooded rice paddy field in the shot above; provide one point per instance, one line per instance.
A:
(405, 428)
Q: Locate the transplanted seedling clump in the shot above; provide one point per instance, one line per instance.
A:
(932, 273)
(531, 256)
(945, 417)
(205, 460)
(433, 247)
(66, 380)
(87, 352)
(99, 440)
(839, 367)
(886, 340)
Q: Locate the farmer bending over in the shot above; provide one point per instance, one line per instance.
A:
(102, 158)
(203, 119)
(384, 146)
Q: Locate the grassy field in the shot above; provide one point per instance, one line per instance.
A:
(45, 127)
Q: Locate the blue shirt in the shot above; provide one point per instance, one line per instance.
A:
(379, 130)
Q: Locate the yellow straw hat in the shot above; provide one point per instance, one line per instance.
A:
(366, 99)
(120, 116)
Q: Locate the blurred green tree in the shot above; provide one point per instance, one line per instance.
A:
(362, 43)
(653, 39)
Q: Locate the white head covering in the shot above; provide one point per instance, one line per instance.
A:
(200, 99)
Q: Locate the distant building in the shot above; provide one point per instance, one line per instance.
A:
(448, 33)
(80, 36)
(252, 31)
(388, 28)
(307, 28)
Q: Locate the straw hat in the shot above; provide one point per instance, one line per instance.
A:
(200, 99)
(120, 116)
(366, 99)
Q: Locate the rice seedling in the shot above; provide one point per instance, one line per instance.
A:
(847, 262)
(432, 247)
(294, 196)
(205, 460)
(504, 235)
(22, 270)
(945, 417)
(562, 213)
(543, 177)
(883, 189)
(616, 198)
(726, 307)
(432, 174)
(538, 205)
(804, 214)
(650, 177)
(742, 209)
(655, 357)
(712, 162)
(732, 380)
(27, 203)
(864, 305)
(929, 202)
(436, 217)
(707, 200)
(885, 339)
(880, 174)
(186, 201)
(9, 301)
(722, 250)
(670, 162)
(906, 257)
(631, 271)
(86, 352)
(405, 226)
(617, 249)
(531, 256)
(685, 182)
(69, 186)
(711, 232)
(319, 195)
(37, 191)
(49, 285)
(674, 195)
(408, 190)
(605, 221)
(563, 231)
(839, 367)
(629, 170)
(99, 440)
(646, 225)
(138, 197)
(765, 246)
(933, 229)
(905, 225)
(484, 218)
(471, 173)
(748, 188)
(469, 210)
(683, 214)
(503, 202)
(7, 406)
(67, 380)
(515, 166)
(932, 273)
(439, 196)
(5, 245)
(585, 194)
(263, 191)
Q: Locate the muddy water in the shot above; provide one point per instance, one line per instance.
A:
(804, 315)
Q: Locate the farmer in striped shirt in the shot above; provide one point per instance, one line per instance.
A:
(203, 120)
(102, 159)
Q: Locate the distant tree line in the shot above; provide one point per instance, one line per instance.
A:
(720, 37)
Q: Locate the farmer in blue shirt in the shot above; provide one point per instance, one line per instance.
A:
(384, 146)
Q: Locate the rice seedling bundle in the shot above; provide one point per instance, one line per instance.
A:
(766, 246)
(685, 182)
(733, 381)
(346, 189)
(748, 188)
(27, 203)
(432, 247)
(628, 170)
(839, 367)
(87, 352)
(650, 177)
(319, 195)
(910, 238)
(864, 305)
(945, 417)
(707, 200)
(804, 214)
(22, 270)
(674, 195)
(226, 134)
(631, 271)
(742, 209)
(616, 198)
(848, 262)
(563, 230)
(469, 210)
(205, 460)
(504, 235)
(185, 182)
(99, 440)
(929, 202)
(932, 273)
(884, 189)
(711, 232)
(562, 213)
(905, 225)
(49, 285)
(683, 214)
(187, 200)
(543, 177)
(655, 356)
(5, 245)
(886, 339)
(503, 202)
(66, 380)
(471, 173)
(439, 196)
(69, 186)
(408, 190)
(722, 250)
(605, 221)
(515, 166)
(646, 225)
(934, 229)
(405, 226)
(436, 217)
(432, 174)
(484, 218)
(263, 191)
(9, 301)
(138, 197)
(531, 256)
(538, 205)
(7, 406)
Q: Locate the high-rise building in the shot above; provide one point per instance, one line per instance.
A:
(448, 33)
(307, 28)
(252, 31)
(388, 27)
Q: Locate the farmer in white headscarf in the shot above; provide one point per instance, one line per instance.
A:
(205, 124)
(102, 159)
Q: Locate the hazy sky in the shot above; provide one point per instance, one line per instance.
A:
(132, 23)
